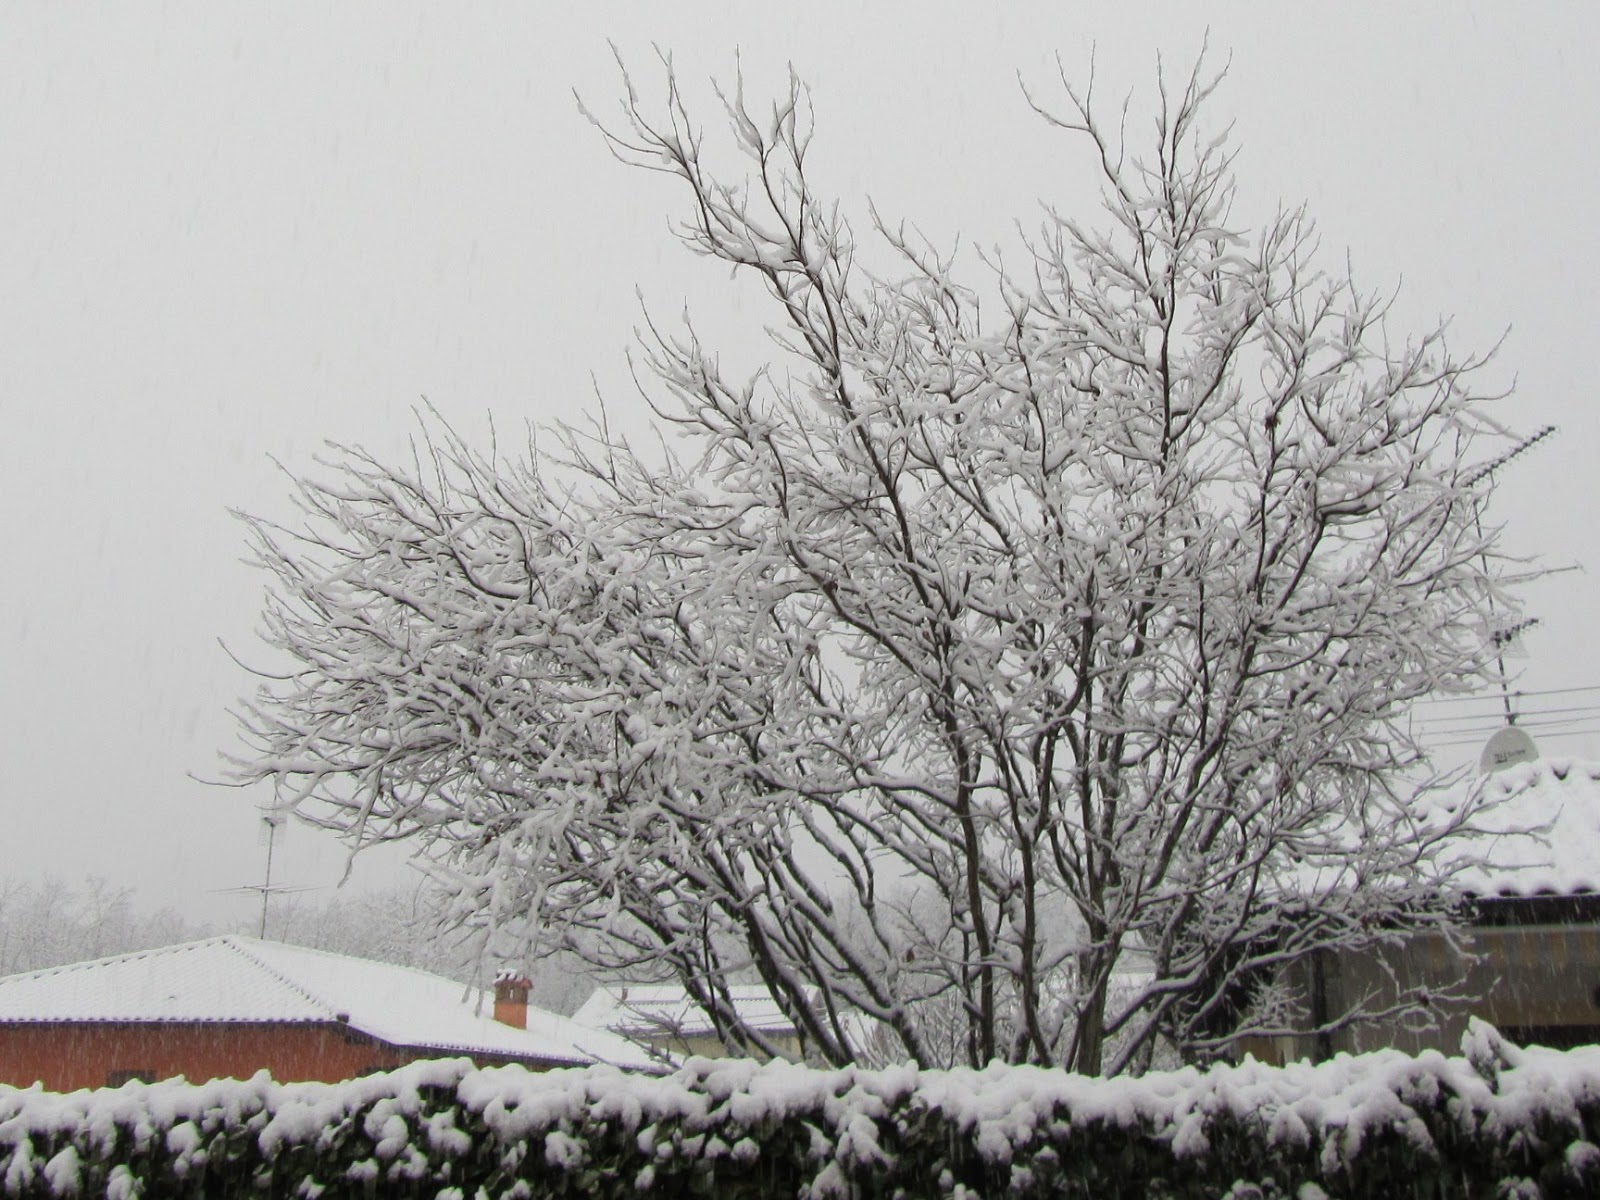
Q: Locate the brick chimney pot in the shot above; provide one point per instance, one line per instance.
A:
(511, 999)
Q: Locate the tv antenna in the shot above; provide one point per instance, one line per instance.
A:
(273, 821)
(1511, 744)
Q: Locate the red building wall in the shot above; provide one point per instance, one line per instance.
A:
(66, 1056)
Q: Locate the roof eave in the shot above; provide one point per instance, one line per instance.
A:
(1541, 909)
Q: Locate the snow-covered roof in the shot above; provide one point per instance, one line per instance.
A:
(242, 979)
(649, 1008)
(1542, 821)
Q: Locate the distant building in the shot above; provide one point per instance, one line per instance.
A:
(231, 1006)
(1533, 946)
(663, 1018)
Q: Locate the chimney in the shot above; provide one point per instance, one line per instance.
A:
(511, 999)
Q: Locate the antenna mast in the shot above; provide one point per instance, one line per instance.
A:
(1504, 638)
(1510, 745)
(271, 821)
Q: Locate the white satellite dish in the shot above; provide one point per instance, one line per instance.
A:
(1507, 748)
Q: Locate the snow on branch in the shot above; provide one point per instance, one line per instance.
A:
(1031, 689)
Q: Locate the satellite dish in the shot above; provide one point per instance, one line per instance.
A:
(1507, 748)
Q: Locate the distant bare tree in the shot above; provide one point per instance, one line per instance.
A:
(1024, 682)
(409, 926)
(49, 922)
(390, 924)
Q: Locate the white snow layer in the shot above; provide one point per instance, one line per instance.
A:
(1539, 831)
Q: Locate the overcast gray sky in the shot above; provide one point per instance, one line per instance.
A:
(230, 232)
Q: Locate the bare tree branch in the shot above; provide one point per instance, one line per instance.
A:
(1030, 690)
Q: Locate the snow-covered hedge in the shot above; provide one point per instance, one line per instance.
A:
(1498, 1122)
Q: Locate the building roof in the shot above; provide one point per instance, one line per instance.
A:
(242, 979)
(643, 1009)
(1541, 822)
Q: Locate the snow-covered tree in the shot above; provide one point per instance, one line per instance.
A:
(47, 922)
(1024, 682)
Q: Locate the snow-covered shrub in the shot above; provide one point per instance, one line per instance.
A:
(1378, 1125)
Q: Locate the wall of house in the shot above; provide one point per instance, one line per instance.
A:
(706, 1045)
(1535, 982)
(70, 1055)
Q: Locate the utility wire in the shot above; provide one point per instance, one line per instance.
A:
(1488, 730)
(1495, 699)
(1549, 736)
(1557, 728)
(1478, 718)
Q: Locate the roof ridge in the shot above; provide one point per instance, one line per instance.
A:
(125, 956)
(409, 968)
(234, 942)
(474, 995)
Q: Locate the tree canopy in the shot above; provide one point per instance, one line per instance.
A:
(1025, 681)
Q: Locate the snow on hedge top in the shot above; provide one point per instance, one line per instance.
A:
(645, 1009)
(238, 979)
(1331, 1108)
(1542, 821)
